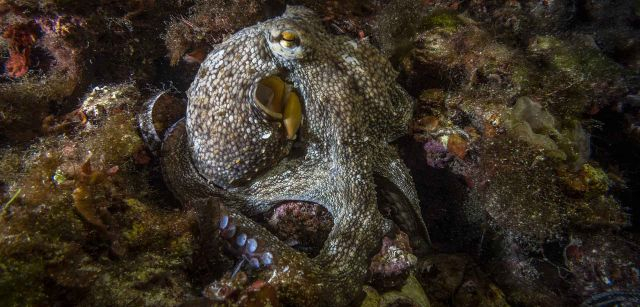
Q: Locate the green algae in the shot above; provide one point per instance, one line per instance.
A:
(588, 182)
(410, 293)
(59, 177)
(578, 61)
(575, 77)
(114, 245)
(116, 146)
(526, 79)
(8, 203)
(447, 20)
(523, 191)
(20, 121)
(21, 281)
(596, 180)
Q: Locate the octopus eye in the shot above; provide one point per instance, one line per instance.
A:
(276, 100)
(289, 39)
(286, 44)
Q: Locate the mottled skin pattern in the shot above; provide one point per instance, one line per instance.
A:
(352, 109)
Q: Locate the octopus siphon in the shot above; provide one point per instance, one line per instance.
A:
(284, 111)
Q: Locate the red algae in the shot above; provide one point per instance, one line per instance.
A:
(20, 38)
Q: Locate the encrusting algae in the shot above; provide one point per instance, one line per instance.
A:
(91, 230)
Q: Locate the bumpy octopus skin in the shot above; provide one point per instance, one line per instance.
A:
(339, 158)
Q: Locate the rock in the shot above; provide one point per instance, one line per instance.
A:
(393, 264)
(601, 263)
(530, 123)
(456, 278)
(411, 294)
(436, 154)
(302, 225)
(104, 236)
(457, 145)
(236, 291)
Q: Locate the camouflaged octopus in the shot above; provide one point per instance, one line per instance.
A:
(284, 111)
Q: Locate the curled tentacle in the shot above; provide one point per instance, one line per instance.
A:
(325, 280)
(396, 190)
(158, 114)
(283, 111)
(334, 277)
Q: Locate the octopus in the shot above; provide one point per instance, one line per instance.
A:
(284, 111)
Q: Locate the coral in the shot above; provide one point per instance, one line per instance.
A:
(530, 123)
(517, 98)
(69, 54)
(457, 145)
